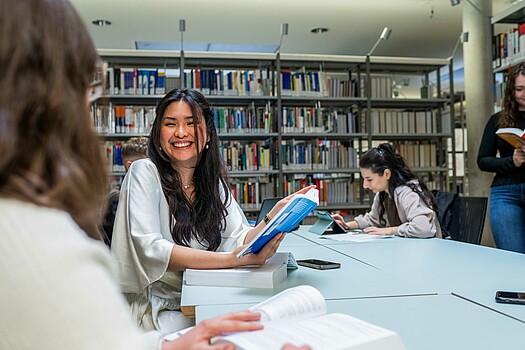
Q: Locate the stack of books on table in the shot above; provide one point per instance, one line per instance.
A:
(266, 276)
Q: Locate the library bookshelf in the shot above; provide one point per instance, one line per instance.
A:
(288, 120)
(508, 46)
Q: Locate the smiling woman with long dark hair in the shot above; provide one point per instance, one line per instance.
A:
(176, 212)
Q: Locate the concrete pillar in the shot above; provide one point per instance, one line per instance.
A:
(477, 55)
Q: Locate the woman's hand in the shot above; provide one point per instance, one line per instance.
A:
(519, 156)
(260, 258)
(340, 220)
(279, 205)
(292, 347)
(380, 231)
(199, 337)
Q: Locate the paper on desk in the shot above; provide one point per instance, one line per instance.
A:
(354, 237)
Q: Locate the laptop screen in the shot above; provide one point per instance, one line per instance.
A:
(266, 206)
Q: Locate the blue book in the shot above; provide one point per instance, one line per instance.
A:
(286, 219)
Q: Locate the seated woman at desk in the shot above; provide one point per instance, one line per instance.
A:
(176, 212)
(402, 206)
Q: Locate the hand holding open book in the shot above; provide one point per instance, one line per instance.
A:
(298, 316)
(514, 136)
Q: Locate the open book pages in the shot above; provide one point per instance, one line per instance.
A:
(266, 276)
(514, 136)
(284, 221)
(292, 304)
(298, 316)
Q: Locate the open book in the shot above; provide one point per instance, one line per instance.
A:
(286, 219)
(298, 316)
(514, 136)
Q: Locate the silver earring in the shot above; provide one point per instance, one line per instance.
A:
(160, 148)
(207, 146)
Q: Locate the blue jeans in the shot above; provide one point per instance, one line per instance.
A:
(507, 216)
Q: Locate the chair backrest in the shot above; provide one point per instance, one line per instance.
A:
(471, 219)
(448, 206)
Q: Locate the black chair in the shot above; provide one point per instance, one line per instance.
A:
(461, 218)
(471, 220)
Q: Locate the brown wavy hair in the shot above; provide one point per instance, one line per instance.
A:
(509, 115)
(49, 153)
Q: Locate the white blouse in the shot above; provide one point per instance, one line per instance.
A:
(142, 244)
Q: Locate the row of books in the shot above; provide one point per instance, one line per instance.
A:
(135, 81)
(111, 119)
(256, 82)
(317, 83)
(113, 152)
(317, 155)
(418, 154)
(248, 156)
(318, 120)
(249, 193)
(116, 119)
(251, 120)
(388, 121)
(381, 86)
(332, 190)
(499, 95)
(508, 47)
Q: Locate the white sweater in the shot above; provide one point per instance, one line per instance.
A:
(58, 287)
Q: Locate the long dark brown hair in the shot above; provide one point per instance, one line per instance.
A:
(204, 217)
(509, 115)
(49, 153)
(383, 157)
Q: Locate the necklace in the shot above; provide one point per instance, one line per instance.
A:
(187, 186)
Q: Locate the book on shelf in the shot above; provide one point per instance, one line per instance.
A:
(285, 220)
(266, 276)
(514, 136)
(298, 316)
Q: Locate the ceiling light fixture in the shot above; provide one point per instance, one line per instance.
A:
(182, 29)
(463, 38)
(284, 31)
(384, 36)
(319, 30)
(101, 22)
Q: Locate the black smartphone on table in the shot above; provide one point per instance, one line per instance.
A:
(510, 297)
(319, 264)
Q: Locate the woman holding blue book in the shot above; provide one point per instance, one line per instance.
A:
(176, 212)
(402, 206)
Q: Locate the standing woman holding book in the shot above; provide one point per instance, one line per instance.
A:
(176, 212)
(402, 206)
(507, 191)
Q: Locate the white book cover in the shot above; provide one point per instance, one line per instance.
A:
(266, 276)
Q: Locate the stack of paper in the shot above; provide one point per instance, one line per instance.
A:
(267, 276)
